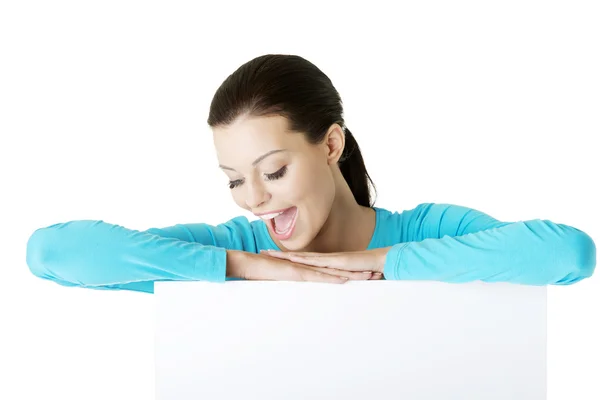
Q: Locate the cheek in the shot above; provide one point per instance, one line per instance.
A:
(318, 192)
(238, 198)
(303, 184)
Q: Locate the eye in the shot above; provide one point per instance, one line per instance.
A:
(278, 174)
(275, 175)
(234, 184)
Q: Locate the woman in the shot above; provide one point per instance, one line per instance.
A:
(280, 137)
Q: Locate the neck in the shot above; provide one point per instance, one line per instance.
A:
(349, 226)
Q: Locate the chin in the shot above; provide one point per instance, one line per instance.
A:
(300, 242)
(295, 244)
(301, 237)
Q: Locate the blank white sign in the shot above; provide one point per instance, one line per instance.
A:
(378, 340)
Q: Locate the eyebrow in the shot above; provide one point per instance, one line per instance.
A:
(259, 159)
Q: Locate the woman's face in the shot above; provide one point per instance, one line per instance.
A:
(271, 170)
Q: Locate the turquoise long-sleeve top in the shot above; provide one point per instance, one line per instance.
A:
(441, 242)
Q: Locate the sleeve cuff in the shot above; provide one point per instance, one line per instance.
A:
(392, 266)
(211, 263)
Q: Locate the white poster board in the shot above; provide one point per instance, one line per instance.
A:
(376, 340)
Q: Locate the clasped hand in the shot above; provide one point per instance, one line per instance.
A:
(309, 266)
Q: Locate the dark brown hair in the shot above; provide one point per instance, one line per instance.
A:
(291, 86)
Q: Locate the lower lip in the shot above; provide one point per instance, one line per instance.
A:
(288, 234)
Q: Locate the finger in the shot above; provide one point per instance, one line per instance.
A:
(376, 276)
(285, 270)
(303, 258)
(351, 275)
(290, 272)
(304, 261)
(279, 254)
(309, 274)
(286, 254)
(322, 261)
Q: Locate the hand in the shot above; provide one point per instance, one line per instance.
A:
(367, 260)
(263, 267)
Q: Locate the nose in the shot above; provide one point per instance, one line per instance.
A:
(256, 195)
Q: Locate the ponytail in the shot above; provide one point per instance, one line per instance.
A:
(354, 171)
(269, 85)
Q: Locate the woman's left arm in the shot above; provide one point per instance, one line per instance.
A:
(533, 252)
(451, 243)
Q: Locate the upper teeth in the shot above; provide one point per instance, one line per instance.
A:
(270, 216)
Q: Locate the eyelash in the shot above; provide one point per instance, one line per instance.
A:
(275, 175)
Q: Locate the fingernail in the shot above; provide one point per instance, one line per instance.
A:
(367, 272)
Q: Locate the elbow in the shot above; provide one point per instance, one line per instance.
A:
(52, 253)
(42, 251)
(581, 259)
(35, 257)
(586, 255)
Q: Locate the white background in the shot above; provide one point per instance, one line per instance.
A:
(490, 105)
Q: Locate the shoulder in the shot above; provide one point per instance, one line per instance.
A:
(235, 233)
(435, 220)
(403, 217)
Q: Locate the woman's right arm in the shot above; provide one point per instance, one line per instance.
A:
(99, 255)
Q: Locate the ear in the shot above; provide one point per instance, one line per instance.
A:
(335, 139)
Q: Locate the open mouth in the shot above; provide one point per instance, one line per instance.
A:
(283, 224)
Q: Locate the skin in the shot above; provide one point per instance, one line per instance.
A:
(329, 219)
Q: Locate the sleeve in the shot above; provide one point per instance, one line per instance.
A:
(99, 255)
(456, 244)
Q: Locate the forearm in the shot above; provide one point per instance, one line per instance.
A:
(97, 254)
(535, 252)
(237, 261)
